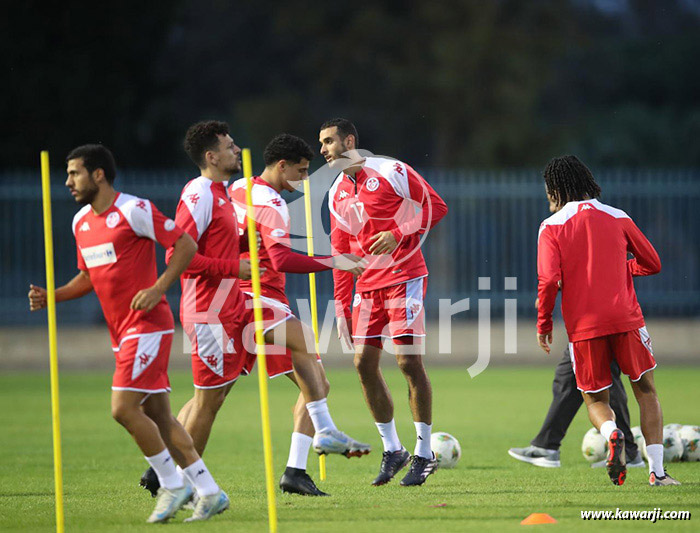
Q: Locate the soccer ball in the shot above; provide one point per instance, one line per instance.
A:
(690, 436)
(673, 427)
(673, 446)
(639, 441)
(594, 446)
(446, 449)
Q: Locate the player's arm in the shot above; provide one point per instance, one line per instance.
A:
(186, 218)
(78, 287)
(646, 261)
(432, 209)
(343, 284)
(183, 251)
(549, 281)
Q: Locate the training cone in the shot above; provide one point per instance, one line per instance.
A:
(538, 518)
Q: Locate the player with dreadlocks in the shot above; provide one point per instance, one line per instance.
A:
(582, 249)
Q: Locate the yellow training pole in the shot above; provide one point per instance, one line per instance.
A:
(53, 351)
(260, 341)
(312, 292)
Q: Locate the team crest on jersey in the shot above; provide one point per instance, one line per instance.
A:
(372, 184)
(84, 226)
(356, 300)
(169, 225)
(343, 194)
(112, 219)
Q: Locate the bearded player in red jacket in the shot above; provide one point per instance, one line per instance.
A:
(582, 249)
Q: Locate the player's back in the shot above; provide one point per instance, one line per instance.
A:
(591, 240)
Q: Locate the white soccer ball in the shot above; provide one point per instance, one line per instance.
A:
(640, 442)
(673, 446)
(673, 427)
(690, 437)
(446, 449)
(594, 446)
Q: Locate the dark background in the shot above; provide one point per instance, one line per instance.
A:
(451, 84)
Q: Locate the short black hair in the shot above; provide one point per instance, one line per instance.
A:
(202, 137)
(568, 180)
(287, 147)
(95, 156)
(345, 128)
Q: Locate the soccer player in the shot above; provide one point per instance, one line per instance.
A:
(286, 163)
(114, 234)
(380, 208)
(566, 401)
(583, 249)
(213, 309)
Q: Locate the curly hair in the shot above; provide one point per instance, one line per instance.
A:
(288, 147)
(202, 137)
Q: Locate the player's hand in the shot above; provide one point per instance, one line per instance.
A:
(245, 272)
(344, 333)
(37, 298)
(544, 340)
(384, 243)
(146, 299)
(350, 263)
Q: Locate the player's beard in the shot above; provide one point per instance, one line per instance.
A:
(88, 195)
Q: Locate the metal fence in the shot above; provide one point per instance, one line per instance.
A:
(490, 231)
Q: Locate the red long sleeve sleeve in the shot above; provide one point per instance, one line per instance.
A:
(424, 199)
(548, 276)
(285, 260)
(646, 261)
(343, 282)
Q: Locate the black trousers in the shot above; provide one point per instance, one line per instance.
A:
(567, 400)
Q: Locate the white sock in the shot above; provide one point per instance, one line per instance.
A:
(163, 464)
(423, 440)
(655, 453)
(186, 479)
(390, 439)
(299, 450)
(607, 428)
(321, 418)
(203, 483)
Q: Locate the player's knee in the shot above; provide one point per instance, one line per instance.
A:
(366, 366)
(410, 366)
(211, 401)
(122, 414)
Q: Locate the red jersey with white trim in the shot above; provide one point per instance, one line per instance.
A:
(385, 195)
(210, 290)
(117, 249)
(272, 224)
(274, 251)
(585, 245)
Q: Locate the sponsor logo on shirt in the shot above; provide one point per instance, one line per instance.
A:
(112, 219)
(169, 225)
(372, 184)
(100, 255)
(84, 226)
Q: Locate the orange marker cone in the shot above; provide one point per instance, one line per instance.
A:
(538, 518)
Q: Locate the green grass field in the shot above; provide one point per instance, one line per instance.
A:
(488, 490)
